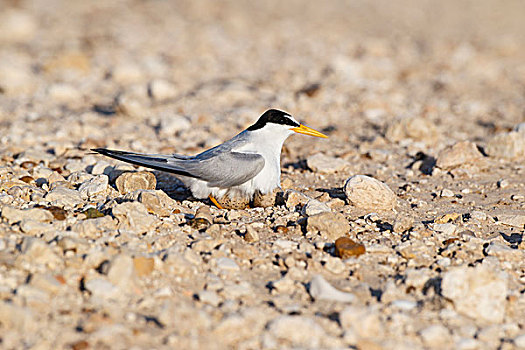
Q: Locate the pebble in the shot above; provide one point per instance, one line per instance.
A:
(251, 234)
(415, 128)
(435, 336)
(94, 187)
(477, 292)
(461, 153)
(314, 207)
(510, 145)
(102, 288)
(368, 193)
(17, 317)
(209, 297)
(512, 220)
(121, 272)
(156, 202)
(161, 90)
(346, 248)
(134, 217)
(227, 264)
(447, 229)
(17, 26)
(132, 181)
(294, 199)
(298, 331)
(321, 163)
(14, 215)
(329, 225)
(94, 227)
(365, 321)
(39, 252)
(519, 341)
(144, 266)
(64, 197)
(320, 289)
(403, 223)
(446, 193)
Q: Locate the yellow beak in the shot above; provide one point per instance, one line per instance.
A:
(302, 129)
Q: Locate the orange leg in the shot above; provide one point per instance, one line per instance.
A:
(214, 201)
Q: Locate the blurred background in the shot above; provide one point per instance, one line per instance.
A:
(89, 73)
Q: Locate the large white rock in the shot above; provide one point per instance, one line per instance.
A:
(477, 292)
(368, 193)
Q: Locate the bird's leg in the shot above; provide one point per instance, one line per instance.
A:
(214, 201)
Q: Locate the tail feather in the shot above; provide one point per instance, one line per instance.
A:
(153, 161)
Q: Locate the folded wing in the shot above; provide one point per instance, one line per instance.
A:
(223, 170)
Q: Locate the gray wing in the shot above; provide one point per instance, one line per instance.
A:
(223, 169)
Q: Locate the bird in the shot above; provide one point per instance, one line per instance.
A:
(247, 163)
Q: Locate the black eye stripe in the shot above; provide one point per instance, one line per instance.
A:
(273, 116)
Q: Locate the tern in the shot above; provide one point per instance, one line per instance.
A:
(239, 167)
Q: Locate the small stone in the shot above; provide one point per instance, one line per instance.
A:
(364, 320)
(121, 272)
(320, 289)
(284, 285)
(46, 282)
(447, 229)
(161, 90)
(446, 193)
(94, 228)
(13, 215)
(477, 292)
(512, 220)
(156, 201)
(435, 336)
(346, 248)
(403, 223)
(17, 26)
(447, 218)
(461, 153)
(298, 331)
(94, 187)
(314, 207)
(64, 93)
(93, 213)
(503, 183)
(509, 145)
(102, 288)
(519, 341)
(132, 181)
(251, 234)
(322, 163)
(17, 318)
(39, 252)
(415, 128)
(329, 225)
(143, 266)
(478, 215)
(227, 264)
(209, 297)
(294, 198)
(64, 197)
(368, 193)
(134, 217)
(58, 213)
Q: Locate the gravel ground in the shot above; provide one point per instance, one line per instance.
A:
(403, 230)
